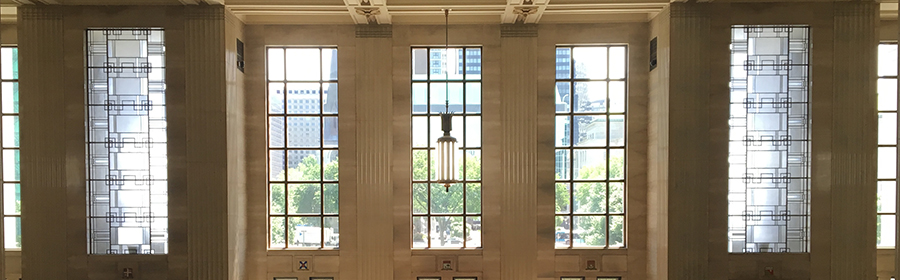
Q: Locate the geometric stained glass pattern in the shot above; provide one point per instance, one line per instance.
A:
(590, 135)
(768, 186)
(303, 147)
(886, 225)
(442, 79)
(9, 125)
(126, 141)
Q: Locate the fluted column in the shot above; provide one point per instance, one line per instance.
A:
(854, 138)
(688, 143)
(206, 159)
(42, 106)
(374, 112)
(518, 133)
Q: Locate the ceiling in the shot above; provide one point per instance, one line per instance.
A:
(415, 11)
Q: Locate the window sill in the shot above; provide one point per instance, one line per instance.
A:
(302, 251)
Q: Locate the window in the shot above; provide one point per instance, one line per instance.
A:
(446, 218)
(768, 186)
(126, 141)
(886, 227)
(9, 113)
(303, 147)
(590, 146)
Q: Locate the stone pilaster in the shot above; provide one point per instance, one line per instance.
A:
(518, 162)
(374, 111)
(853, 139)
(688, 143)
(206, 157)
(43, 145)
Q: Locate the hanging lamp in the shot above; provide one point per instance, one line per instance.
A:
(446, 144)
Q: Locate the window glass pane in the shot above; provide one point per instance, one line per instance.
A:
(590, 97)
(887, 94)
(589, 231)
(12, 199)
(10, 97)
(302, 64)
(10, 131)
(887, 197)
(590, 62)
(431, 94)
(563, 97)
(303, 132)
(887, 162)
(132, 65)
(769, 138)
(887, 60)
(886, 230)
(887, 128)
(10, 63)
(13, 235)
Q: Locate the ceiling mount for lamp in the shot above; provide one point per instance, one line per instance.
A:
(446, 144)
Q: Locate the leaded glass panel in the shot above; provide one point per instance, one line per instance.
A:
(768, 197)
(126, 141)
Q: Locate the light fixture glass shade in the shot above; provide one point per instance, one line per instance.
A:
(446, 154)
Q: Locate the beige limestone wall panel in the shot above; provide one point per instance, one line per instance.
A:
(635, 35)
(854, 143)
(63, 51)
(237, 163)
(262, 263)
(658, 134)
(888, 30)
(43, 152)
(9, 34)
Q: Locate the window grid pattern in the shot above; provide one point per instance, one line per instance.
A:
(303, 147)
(9, 125)
(887, 145)
(590, 146)
(768, 200)
(127, 169)
(442, 218)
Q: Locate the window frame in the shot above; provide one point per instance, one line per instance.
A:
(429, 149)
(3, 180)
(896, 113)
(570, 148)
(285, 148)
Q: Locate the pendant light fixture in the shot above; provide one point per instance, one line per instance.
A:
(446, 144)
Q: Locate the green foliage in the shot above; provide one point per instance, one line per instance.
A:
(444, 201)
(304, 198)
(591, 198)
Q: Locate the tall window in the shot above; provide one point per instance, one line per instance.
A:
(303, 147)
(887, 145)
(768, 186)
(590, 146)
(9, 113)
(126, 141)
(446, 218)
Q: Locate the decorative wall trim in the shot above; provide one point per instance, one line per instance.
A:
(39, 13)
(518, 30)
(374, 31)
(684, 10)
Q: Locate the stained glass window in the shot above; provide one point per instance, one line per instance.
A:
(768, 187)
(127, 141)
